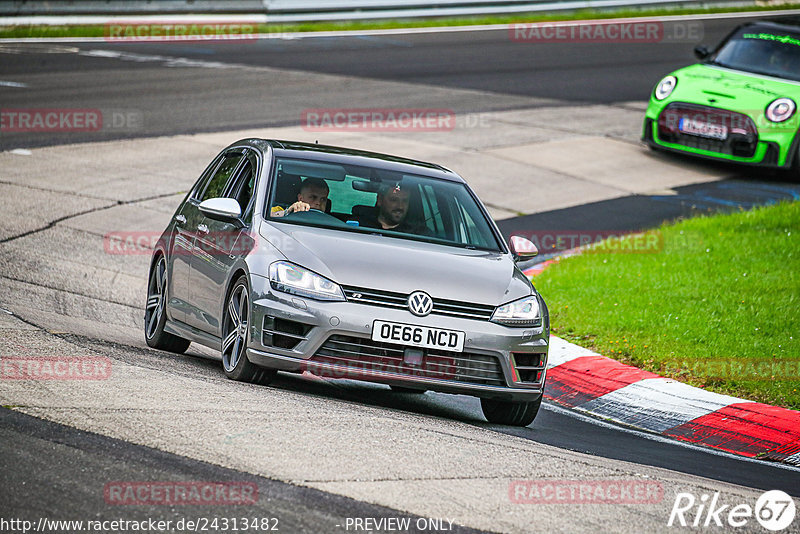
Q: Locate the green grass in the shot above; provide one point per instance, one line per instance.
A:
(584, 14)
(719, 301)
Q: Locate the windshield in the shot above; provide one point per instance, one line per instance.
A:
(372, 200)
(773, 53)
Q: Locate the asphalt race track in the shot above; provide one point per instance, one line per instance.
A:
(321, 451)
(467, 72)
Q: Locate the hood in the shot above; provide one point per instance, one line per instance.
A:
(400, 265)
(731, 89)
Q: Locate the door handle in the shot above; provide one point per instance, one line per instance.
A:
(202, 228)
(180, 219)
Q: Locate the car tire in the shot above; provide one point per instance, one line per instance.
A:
(403, 389)
(235, 324)
(510, 413)
(155, 316)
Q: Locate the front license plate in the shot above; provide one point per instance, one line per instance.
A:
(418, 336)
(702, 128)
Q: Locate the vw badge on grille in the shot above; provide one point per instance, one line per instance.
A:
(420, 303)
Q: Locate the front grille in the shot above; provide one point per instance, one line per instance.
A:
(742, 134)
(388, 299)
(358, 357)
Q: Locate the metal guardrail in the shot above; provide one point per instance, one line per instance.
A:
(309, 10)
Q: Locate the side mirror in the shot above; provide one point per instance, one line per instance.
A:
(521, 248)
(701, 52)
(222, 209)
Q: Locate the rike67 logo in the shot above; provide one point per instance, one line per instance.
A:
(774, 510)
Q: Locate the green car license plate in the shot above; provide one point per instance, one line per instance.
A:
(702, 128)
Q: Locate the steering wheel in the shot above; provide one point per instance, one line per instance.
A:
(311, 213)
(316, 216)
(309, 210)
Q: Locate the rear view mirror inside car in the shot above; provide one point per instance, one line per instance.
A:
(311, 169)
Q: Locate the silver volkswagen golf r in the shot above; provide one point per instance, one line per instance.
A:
(348, 264)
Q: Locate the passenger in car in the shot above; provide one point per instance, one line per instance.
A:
(392, 209)
(313, 195)
(784, 61)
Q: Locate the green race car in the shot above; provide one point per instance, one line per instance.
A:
(738, 104)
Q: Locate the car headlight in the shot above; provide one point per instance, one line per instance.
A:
(522, 312)
(665, 87)
(290, 278)
(781, 109)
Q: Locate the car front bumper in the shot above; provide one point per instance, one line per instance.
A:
(333, 340)
(774, 145)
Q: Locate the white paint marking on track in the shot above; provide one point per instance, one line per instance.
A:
(168, 61)
(12, 84)
(562, 351)
(661, 439)
(35, 47)
(21, 152)
(657, 404)
(101, 53)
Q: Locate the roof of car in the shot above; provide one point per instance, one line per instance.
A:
(791, 23)
(352, 156)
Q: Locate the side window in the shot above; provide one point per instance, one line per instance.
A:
(431, 212)
(467, 230)
(200, 185)
(216, 186)
(242, 188)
